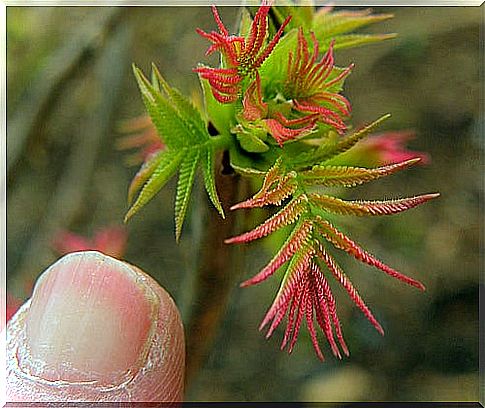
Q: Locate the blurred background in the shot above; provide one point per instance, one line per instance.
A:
(70, 91)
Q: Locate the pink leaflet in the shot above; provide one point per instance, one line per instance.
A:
(243, 56)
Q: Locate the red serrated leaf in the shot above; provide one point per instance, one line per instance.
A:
(341, 241)
(322, 311)
(283, 298)
(326, 313)
(328, 298)
(310, 325)
(243, 56)
(362, 208)
(288, 215)
(309, 84)
(294, 243)
(286, 186)
(345, 282)
(331, 176)
(300, 313)
(282, 134)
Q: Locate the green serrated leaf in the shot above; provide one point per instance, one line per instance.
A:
(163, 172)
(155, 82)
(163, 116)
(184, 188)
(274, 68)
(184, 106)
(349, 141)
(355, 40)
(327, 25)
(209, 179)
(175, 131)
(334, 145)
(146, 170)
(338, 86)
(251, 143)
(188, 144)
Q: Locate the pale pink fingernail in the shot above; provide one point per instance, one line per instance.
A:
(91, 319)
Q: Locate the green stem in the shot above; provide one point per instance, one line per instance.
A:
(222, 141)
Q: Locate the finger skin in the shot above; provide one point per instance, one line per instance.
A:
(159, 379)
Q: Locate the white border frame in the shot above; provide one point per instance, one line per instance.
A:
(3, 121)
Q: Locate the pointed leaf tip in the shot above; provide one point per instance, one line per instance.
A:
(208, 169)
(413, 161)
(187, 172)
(129, 214)
(420, 286)
(241, 205)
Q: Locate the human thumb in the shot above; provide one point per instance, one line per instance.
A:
(96, 329)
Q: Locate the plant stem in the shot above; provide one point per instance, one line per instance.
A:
(221, 141)
(216, 273)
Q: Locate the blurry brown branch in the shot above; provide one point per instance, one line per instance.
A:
(68, 198)
(63, 67)
(216, 273)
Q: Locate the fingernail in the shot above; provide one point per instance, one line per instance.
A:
(91, 319)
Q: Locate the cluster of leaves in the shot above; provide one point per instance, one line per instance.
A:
(304, 290)
(188, 146)
(276, 103)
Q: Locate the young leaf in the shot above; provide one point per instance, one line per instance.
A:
(331, 176)
(361, 208)
(188, 145)
(209, 178)
(345, 282)
(241, 56)
(158, 178)
(304, 291)
(356, 40)
(288, 215)
(221, 115)
(334, 147)
(165, 117)
(184, 188)
(146, 170)
(184, 106)
(272, 191)
(341, 241)
(328, 25)
(292, 245)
